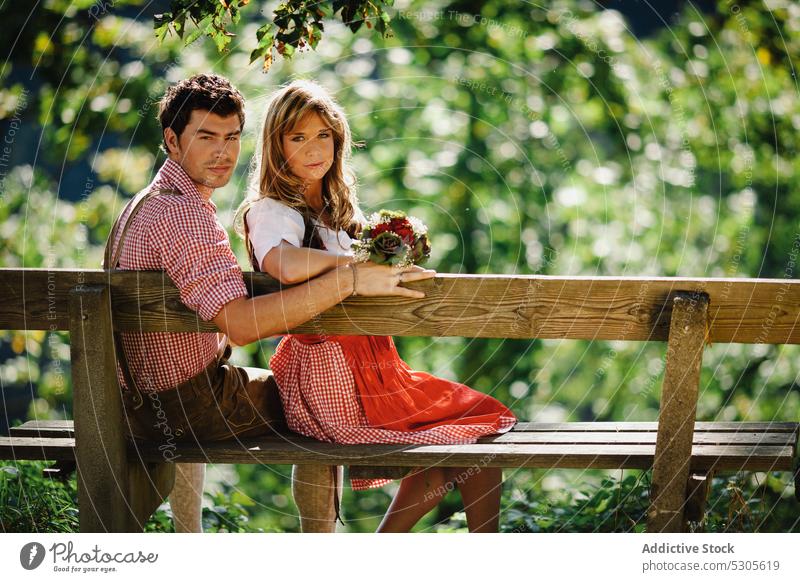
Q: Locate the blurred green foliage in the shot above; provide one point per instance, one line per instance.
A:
(531, 139)
(32, 502)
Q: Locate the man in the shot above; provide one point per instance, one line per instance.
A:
(179, 386)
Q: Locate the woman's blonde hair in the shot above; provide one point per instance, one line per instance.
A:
(270, 176)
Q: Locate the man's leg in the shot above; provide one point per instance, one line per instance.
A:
(186, 498)
(312, 488)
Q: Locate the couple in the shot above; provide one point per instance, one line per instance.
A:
(299, 220)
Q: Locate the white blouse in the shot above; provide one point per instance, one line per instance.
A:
(269, 222)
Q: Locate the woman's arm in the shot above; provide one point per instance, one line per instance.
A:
(290, 264)
(246, 320)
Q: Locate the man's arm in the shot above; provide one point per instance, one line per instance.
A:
(246, 320)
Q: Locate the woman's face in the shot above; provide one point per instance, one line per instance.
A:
(309, 148)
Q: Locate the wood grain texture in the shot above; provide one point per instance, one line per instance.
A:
(116, 492)
(540, 437)
(100, 442)
(37, 449)
(641, 438)
(677, 414)
(299, 450)
(116, 495)
(704, 457)
(724, 431)
(44, 429)
(697, 490)
(499, 306)
(639, 426)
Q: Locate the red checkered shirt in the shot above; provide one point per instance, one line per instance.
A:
(182, 236)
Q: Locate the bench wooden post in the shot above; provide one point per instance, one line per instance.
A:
(697, 490)
(107, 478)
(677, 414)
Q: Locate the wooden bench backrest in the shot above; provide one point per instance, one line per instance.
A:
(489, 306)
(687, 313)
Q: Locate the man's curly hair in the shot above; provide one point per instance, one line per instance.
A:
(204, 92)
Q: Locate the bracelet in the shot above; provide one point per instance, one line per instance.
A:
(355, 279)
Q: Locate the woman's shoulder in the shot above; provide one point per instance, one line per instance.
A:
(269, 208)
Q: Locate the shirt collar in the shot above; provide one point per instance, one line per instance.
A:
(173, 174)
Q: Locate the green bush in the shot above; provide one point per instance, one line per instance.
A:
(33, 502)
(745, 502)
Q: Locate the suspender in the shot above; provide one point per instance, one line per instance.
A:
(111, 258)
(251, 253)
(112, 254)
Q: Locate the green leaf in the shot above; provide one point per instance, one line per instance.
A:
(257, 53)
(201, 28)
(13, 471)
(221, 39)
(602, 506)
(180, 23)
(161, 25)
(161, 32)
(355, 25)
(162, 19)
(263, 36)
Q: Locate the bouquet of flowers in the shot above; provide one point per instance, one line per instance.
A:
(392, 238)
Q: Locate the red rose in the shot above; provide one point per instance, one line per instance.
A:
(402, 227)
(380, 228)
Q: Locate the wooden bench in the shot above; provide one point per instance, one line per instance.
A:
(121, 483)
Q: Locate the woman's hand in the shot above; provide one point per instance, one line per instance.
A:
(373, 280)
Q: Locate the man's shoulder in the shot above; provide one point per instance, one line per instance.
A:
(165, 204)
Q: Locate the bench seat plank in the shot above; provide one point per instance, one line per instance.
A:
(57, 428)
(272, 450)
(44, 428)
(37, 449)
(718, 449)
(520, 434)
(700, 426)
(307, 451)
(640, 438)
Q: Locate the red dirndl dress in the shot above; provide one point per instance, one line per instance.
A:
(357, 390)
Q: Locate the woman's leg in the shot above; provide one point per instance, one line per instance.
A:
(418, 494)
(480, 492)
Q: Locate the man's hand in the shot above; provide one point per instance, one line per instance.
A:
(373, 280)
(247, 320)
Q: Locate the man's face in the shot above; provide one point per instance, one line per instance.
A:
(207, 149)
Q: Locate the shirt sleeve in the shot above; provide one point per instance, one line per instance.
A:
(197, 256)
(269, 222)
